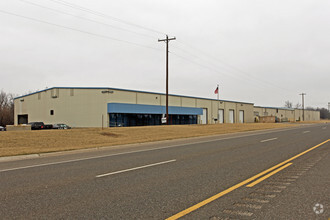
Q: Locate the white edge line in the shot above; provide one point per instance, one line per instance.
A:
(271, 139)
(306, 132)
(135, 168)
(152, 149)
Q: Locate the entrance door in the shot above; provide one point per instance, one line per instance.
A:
(220, 116)
(204, 116)
(241, 116)
(231, 116)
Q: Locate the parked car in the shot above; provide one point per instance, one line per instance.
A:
(61, 126)
(37, 125)
(48, 126)
(2, 128)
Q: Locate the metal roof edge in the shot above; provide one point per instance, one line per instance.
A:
(130, 90)
(283, 108)
(18, 97)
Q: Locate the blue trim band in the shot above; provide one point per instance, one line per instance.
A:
(152, 109)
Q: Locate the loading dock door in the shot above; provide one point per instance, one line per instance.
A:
(231, 116)
(220, 116)
(204, 116)
(22, 119)
(241, 116)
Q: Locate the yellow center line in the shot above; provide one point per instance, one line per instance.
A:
(268, 175)
(211, 199)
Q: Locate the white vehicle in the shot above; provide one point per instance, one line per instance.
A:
(61, 126)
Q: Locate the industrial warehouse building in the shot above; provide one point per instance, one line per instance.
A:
(287, 114)
(111, 107)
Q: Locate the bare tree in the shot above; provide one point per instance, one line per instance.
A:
(324, 113)
(6, 108)
(298, 105)
(288, 104)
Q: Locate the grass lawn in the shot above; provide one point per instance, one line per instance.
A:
(42, 141)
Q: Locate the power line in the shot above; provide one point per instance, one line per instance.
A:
(91, 20)
(103, 36)
(235, 68)
(214, 67)
(102, 15)
(187, 52)
(123, 29)
(77, 30)
(243, 73)
(204, 66)
(217, 71)
(81, 8)
(129, 23)
(87, 19)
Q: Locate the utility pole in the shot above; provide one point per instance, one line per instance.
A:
(167, 40)
(217, 90)
(303, 104)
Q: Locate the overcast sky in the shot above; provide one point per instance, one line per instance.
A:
(264, 52)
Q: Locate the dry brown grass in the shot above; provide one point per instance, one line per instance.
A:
(29, 142)
(314, 122)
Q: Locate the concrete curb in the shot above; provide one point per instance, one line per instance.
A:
(45, 154)
(19, 157)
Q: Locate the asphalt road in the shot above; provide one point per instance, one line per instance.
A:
(160, 180)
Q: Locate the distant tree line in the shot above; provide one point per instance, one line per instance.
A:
(324, 113)
(6, 108)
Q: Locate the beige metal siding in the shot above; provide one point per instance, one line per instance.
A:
(84, 109)
(248, 112)
(188, 102)
(289, 114)
(203, 103)
(81, 107)
(147, 99)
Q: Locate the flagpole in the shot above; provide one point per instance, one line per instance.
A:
(218, 104)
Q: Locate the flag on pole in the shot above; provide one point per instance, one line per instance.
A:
(216, 90)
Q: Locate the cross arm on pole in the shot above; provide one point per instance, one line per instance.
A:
(167, 39)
